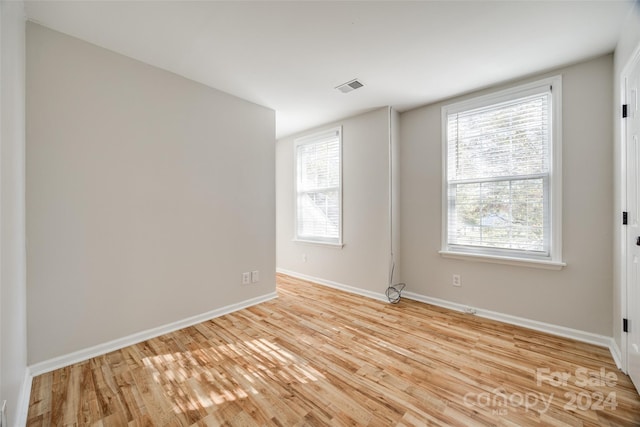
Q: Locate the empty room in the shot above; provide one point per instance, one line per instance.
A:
(323, 213)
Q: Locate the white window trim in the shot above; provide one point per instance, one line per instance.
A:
(306, 140)
(554, 260)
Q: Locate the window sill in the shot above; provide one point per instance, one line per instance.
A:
(521, 262)
(315, 243)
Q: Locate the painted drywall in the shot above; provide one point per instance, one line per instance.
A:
(363, 262)
(147, 196)
(13, 334)
(628, 44)
(580, 295)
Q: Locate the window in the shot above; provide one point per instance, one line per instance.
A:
(319, 187)
(502, 177)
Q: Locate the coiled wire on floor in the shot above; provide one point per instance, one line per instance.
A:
(394, 292)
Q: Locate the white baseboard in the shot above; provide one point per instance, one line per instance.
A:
(81, 355)
(562, 331)
(23, 400)
(340, 286)
(100, 349)
(616, 353)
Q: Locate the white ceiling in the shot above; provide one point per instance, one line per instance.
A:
(290, 55)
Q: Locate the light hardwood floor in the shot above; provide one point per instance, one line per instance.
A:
(317, 356)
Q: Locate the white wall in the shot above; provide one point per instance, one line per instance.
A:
(363, 261)
(627, 45)
(13, 334)
(580, 295)
(147, 196)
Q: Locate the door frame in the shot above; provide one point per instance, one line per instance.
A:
(633, 60)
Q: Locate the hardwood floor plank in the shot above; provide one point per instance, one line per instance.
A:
(321, 357)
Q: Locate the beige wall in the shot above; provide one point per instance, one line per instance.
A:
(363, 261)
(13, 333)
(147, 196)
(580, 295)
(627, 45)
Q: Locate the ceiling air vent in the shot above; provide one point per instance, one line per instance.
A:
(349, 86)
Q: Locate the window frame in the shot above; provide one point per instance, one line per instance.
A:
(552, 195)
(315, 138)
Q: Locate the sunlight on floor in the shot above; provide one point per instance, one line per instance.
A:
(255, 363)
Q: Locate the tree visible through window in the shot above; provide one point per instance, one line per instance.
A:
(318, 187)
(499, 164)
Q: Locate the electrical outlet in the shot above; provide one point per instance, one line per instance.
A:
(246, 278)
(456, 280)
(255, 276)
(470, 310)
(304, 257)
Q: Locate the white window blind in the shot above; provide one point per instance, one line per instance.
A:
(318, 187)
(498, 175)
